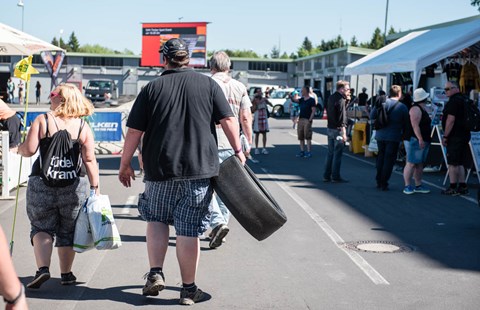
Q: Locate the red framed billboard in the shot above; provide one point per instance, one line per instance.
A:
(155, 34)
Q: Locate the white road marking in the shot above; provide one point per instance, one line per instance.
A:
(130, 202)
(373, 274)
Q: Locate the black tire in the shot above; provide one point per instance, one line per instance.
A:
(248, 200)
(277, 111)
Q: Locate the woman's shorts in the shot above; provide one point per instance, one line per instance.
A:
(304, 129)
(181, 203)
(416, 155)
(54, 210)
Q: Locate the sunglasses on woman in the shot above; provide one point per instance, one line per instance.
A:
(53, 94)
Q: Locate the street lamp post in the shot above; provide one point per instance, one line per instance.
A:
(22, 5)
(385, 29)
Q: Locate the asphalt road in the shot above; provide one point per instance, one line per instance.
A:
(426, 247)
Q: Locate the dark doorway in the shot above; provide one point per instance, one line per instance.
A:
(3, 85)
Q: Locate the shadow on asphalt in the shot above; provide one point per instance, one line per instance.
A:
(444, 229)
(53, 290)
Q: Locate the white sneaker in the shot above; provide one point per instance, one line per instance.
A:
(264, 152)
(257, 151)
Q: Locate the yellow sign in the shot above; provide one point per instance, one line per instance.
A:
(24, 68)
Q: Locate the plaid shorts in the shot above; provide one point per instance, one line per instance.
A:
(54, 210)
(181, 203)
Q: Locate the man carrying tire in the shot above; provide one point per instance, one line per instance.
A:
(175, 112)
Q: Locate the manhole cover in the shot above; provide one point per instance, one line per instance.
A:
(378, 247)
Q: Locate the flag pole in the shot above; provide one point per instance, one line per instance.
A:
(26, 74)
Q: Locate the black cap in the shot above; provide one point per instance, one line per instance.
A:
(172, 46)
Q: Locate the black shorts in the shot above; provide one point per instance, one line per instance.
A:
(457, 152)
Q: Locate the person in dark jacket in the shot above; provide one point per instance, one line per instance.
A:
(389, 137)
(336, 131)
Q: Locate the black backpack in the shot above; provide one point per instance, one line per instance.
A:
(471, 115)
(382, 116)
(62, 162)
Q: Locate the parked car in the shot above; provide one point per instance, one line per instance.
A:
(101, 90)
(320, 104)
(281, 104)
(278, 97)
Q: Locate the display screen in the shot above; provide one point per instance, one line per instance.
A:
(155, 34)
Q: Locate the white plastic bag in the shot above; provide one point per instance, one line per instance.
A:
(83, 239)
(104, 231)
(373, 147)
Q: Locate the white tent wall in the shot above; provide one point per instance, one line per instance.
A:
(418, 50)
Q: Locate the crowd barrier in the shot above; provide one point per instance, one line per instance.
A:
(108, 127)
(11, 174)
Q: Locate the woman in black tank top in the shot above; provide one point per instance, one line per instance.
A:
(53, 210)
(417, 140)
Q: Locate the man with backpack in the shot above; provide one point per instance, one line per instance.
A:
(391, 117)
(455, 137)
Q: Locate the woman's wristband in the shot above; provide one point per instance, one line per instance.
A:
(238, 151)
(93, 187)
(15, 300)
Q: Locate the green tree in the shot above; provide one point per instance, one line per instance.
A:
(293, 56)
(73, 43)
(275, 53)
(54, 41)
(284, 56)
(476, 3)
(63, 45)
(307, 45)
(95, 49)
(241, 53)
(391, 31)
(378, 39)
(353, 41)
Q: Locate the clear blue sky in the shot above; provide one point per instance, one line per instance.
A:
(249, 24)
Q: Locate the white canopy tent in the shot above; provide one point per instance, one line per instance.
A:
(16, 42)
(418, 50)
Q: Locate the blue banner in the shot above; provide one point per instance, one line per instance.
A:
(106, 126)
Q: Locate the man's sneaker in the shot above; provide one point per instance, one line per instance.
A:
(217, 235)
(189, 298)
(421, 189)
(462, 190)
(155, 283)
(409, 190)
(257, 152)
(450, 192)
(68, 278)
(264, 151)
(41, 276)
(340, 180)
(326, 180)
(301, 154)
(308, 154)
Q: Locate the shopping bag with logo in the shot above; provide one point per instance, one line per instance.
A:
(104, 230)
(83, 239)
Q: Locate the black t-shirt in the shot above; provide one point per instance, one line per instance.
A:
(306, 107)
(336, 114)
(362, 99)
(453, 71)
(456, 107)
(178, 112)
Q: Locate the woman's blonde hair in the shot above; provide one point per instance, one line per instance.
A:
(74, 103)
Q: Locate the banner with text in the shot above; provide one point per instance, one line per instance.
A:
(106, 126)
(154, 35)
